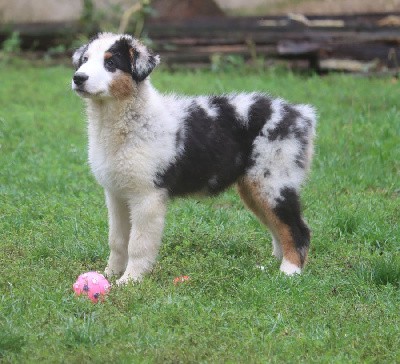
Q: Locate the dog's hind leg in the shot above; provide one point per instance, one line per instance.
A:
(283, 217)
(119, 228)
(147, 214)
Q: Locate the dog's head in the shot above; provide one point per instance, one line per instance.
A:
(111, 66)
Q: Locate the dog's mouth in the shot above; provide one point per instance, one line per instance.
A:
(83, 93)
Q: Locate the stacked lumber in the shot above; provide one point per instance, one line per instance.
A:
(355, 43)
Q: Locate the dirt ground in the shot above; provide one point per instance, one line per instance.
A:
(275, 7)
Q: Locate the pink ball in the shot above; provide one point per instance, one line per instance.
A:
(93, 285)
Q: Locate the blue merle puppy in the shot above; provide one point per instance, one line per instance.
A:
(146, 147)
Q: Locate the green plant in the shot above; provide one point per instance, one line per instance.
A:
(138, 13)
(12, 44)
(10, 48)
(115, 18)
(226, 63)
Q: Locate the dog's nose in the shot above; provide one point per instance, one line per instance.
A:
(80, 78)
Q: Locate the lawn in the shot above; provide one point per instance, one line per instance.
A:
(53, 226)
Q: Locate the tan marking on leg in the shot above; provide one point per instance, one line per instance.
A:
(251, 194)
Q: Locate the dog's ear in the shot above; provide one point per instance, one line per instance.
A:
(143, 61)
(77, 57)
(143, 64)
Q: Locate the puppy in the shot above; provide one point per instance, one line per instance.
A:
(146, 147)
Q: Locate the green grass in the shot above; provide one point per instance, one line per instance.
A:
(343, 309)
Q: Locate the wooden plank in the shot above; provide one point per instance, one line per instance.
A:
(348, 65)
(296, 39)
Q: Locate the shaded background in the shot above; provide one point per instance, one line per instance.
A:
(358, 36)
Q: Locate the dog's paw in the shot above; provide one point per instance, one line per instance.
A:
(128, 278)
(116, 265)
(289, 268)
(110, 272)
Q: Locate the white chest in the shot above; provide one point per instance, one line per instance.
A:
(121, 167)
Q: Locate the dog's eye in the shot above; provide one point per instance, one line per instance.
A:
(110, 62)
(85, 59)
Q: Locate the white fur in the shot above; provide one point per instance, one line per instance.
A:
(243, 103)
(289, 268)
(125, 152)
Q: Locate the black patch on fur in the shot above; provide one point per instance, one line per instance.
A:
(216, 149)
(286, 125)
(259, 112)
(288, 210)
(300, 162)
(124, 61)
(120, 57)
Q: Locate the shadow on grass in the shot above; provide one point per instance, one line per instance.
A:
(381, 271)
(10, 343)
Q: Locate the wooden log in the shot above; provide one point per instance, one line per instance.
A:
(348, 65)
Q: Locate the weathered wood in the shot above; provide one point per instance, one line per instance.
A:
(204, 54)
(300, 40)
(370, 38)
(348, 65)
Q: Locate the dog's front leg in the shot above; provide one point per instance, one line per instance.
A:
(147, 223)
(119, 229)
